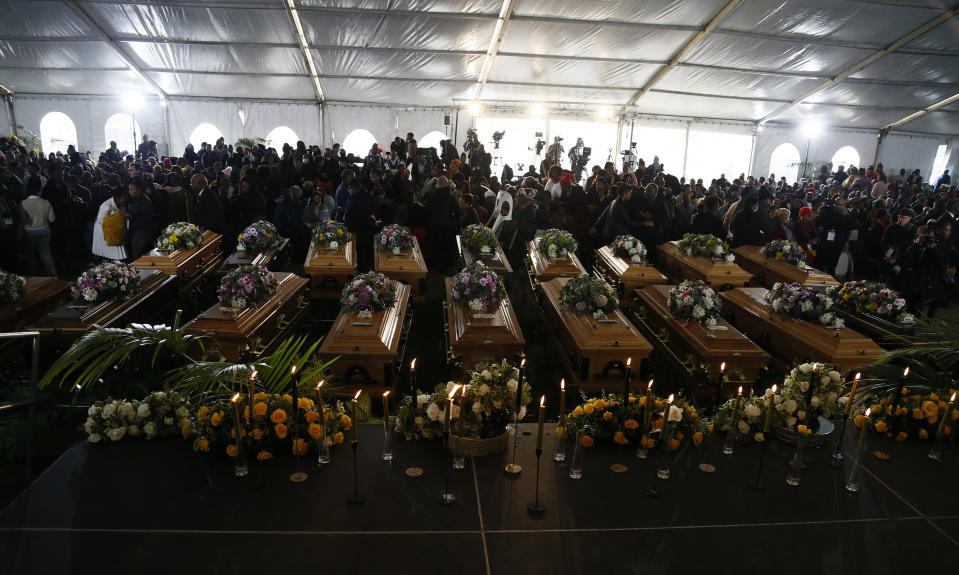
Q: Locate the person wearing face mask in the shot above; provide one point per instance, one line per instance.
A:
(746, 226)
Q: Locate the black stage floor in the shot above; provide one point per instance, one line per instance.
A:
(155, 507)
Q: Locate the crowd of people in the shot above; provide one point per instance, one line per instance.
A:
(853, 222)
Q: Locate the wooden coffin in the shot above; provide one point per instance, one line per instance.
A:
(625, 276)
(330, 270)
(594, 349)
(251, 332)
(471, 339)
(409, 267)
(189, 266)
(544, 269)
(768, 271)
(693, 349)
(154, 303)
(889, 333)
(719, 274)
(496, 262)
(271, 259)
(43, 295)
(793, 340)
(370, 348)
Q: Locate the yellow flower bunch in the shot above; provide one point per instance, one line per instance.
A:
(264, 455)
(216, 418)
(304, 403)
(232, 450)
(300, 446)
(338, 438)
(631, 424)
(201, 444)
(278, 416)
(587, 441)
(619, 438)
(315, 430)
(280, 430)
(804, 430)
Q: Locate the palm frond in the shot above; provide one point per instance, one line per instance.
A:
(273, 376)
(104, 348)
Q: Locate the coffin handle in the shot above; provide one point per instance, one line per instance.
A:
(662, 335)
(258, 347)
(281, 322)
(641, 312)
(302, 301)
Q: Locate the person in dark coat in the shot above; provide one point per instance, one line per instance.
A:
(250, 203)
(359, 220)
(468, 215)
(441, 216)
(142, 219)
(208, 214)
(707, 220)
(746, 226)
(618, 220)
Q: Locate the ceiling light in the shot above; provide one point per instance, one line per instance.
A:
(475, 108)
(605, 113)
(811, 129)
(133, 100)
(537, 110)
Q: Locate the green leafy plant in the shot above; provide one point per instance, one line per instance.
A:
(249, 142)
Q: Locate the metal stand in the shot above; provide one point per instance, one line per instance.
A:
(757, 484)
(837, 455)
(512, 467)
(356, 498)
(447, 498)
(536, 506)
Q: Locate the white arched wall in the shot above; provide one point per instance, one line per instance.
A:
(821, 148)
(385, 123)
(261, 119)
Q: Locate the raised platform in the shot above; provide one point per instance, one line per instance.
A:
(113, 508)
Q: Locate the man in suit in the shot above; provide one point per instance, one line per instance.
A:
(209, 215)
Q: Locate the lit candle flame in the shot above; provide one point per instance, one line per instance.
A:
(542, 401)
(562, 383)
(858, 375)
(906, 372)
(629, 362)
(522, 363)
(292, 370)
(357, 396)
(650, 386)
(236, 397)
(722, 366)
(774, 389)
(453, 391)
(670, 400)
(740, 390)
(953, 398)
(868, 411)
(413, 365)
(386, 393)
(253, 375)
(319, 385)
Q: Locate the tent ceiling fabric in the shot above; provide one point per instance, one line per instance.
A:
(762, 55)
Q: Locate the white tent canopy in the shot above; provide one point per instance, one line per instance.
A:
(888, 65)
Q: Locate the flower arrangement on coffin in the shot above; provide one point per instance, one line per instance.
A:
(602, 418)
(247, 286)
(395, 239)
(259, 237)
(106, 281)
(785, 251)
(180, 236)
(694, 301)
(12, 287)
(367, 293)
(478, 288)
(791, 407)
(275, 426)
(479, 240)
(330, 235)
(873, 297)
(158, 414)
(480, 411)
(555, 243)
(800, 302)
(917, 416)
(706, 246)
(588, 294)
(629, 248)
(752, 416)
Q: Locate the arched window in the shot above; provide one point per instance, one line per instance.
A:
(281, 135)
(124, 130)
(845, 156)
(359, 142)
(785, 162)
(205, 133)
(432, 140)
(57, 131)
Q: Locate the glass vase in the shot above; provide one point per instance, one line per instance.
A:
(324, 456)
(576, 463)
(662, 466)
(559, 451)
(459, 461)
(642, 452)
(387, 445)
(796, 464)
(239, 463)
(730, 444)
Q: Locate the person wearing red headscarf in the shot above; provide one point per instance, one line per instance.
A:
(806, 231)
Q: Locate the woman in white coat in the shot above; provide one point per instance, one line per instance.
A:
(115, 205)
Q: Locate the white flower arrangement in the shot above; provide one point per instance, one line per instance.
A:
(695, 301)
(798, 301)
(629, 248)
(158, 414)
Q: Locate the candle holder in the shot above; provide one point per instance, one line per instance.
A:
(536, 506)
(414, 470)
(239, 463)
(619, 467)
(459, 458)
(796, 464)
(663, 470)
(512, 467)
(729, 444)
(935, 453)
(559, 450)
(356, 498)
(757, 484)
(299, 476)
(576, 463)
(447, 497)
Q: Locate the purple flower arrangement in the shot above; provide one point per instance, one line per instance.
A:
(395, 239)
(106, 281)
(798, 301)
(331, 235)
(246, 286)
(367, 293)
(478, 288)
(259, 237)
